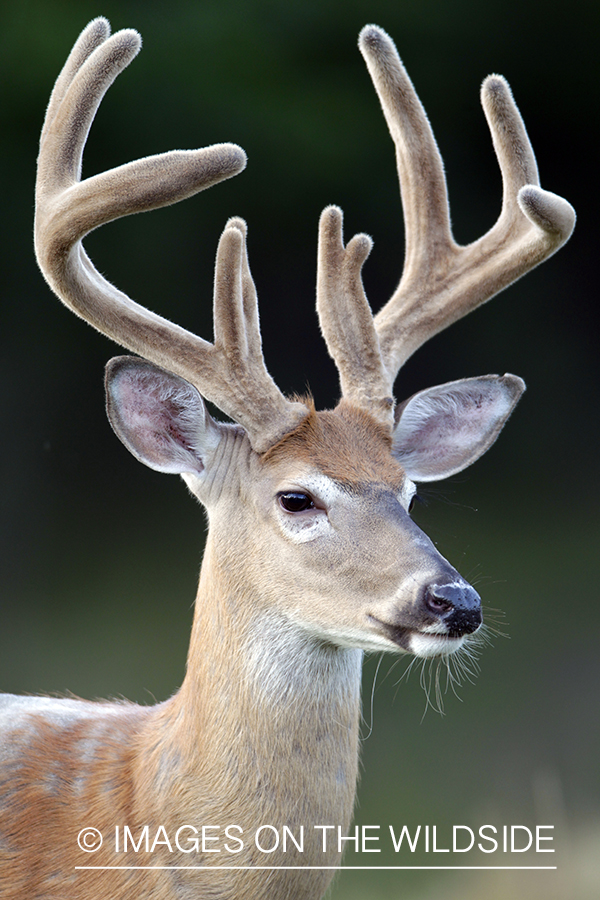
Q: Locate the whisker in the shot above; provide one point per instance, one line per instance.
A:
(367, 736)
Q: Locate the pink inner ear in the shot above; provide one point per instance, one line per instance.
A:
(158, 416)
(443, 430)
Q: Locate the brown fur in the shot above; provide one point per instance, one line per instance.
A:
(346, 444)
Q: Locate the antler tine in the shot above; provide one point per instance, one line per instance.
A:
(237, 355)
(420, 167)
(92, 36)
(346, 319)
(443, 281)
(67, 209)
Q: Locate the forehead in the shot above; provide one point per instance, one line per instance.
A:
(345, 444)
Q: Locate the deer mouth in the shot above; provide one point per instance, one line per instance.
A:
(419, 643)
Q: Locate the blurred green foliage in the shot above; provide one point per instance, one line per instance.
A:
(99, 556)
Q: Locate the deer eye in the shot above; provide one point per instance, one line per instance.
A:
(414, 499)
(296, 501)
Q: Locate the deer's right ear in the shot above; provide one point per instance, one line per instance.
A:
(160, 417)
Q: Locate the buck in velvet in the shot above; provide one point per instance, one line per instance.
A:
(311, 557)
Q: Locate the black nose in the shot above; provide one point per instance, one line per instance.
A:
(457, 604)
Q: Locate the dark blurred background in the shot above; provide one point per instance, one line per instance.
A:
(99, 556)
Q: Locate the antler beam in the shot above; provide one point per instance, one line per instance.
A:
(231, 372)
(442, 281)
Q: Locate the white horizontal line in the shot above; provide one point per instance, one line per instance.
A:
(334, 868)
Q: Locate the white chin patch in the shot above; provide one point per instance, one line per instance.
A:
(425, 645)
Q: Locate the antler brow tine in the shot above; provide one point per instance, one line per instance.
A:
(345, 315)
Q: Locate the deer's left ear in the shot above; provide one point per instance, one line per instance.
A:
(442, 430)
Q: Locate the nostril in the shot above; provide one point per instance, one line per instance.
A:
(435, 603)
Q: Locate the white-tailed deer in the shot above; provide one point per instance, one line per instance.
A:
(311, 558)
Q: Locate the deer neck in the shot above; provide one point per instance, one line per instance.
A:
(265, 725)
